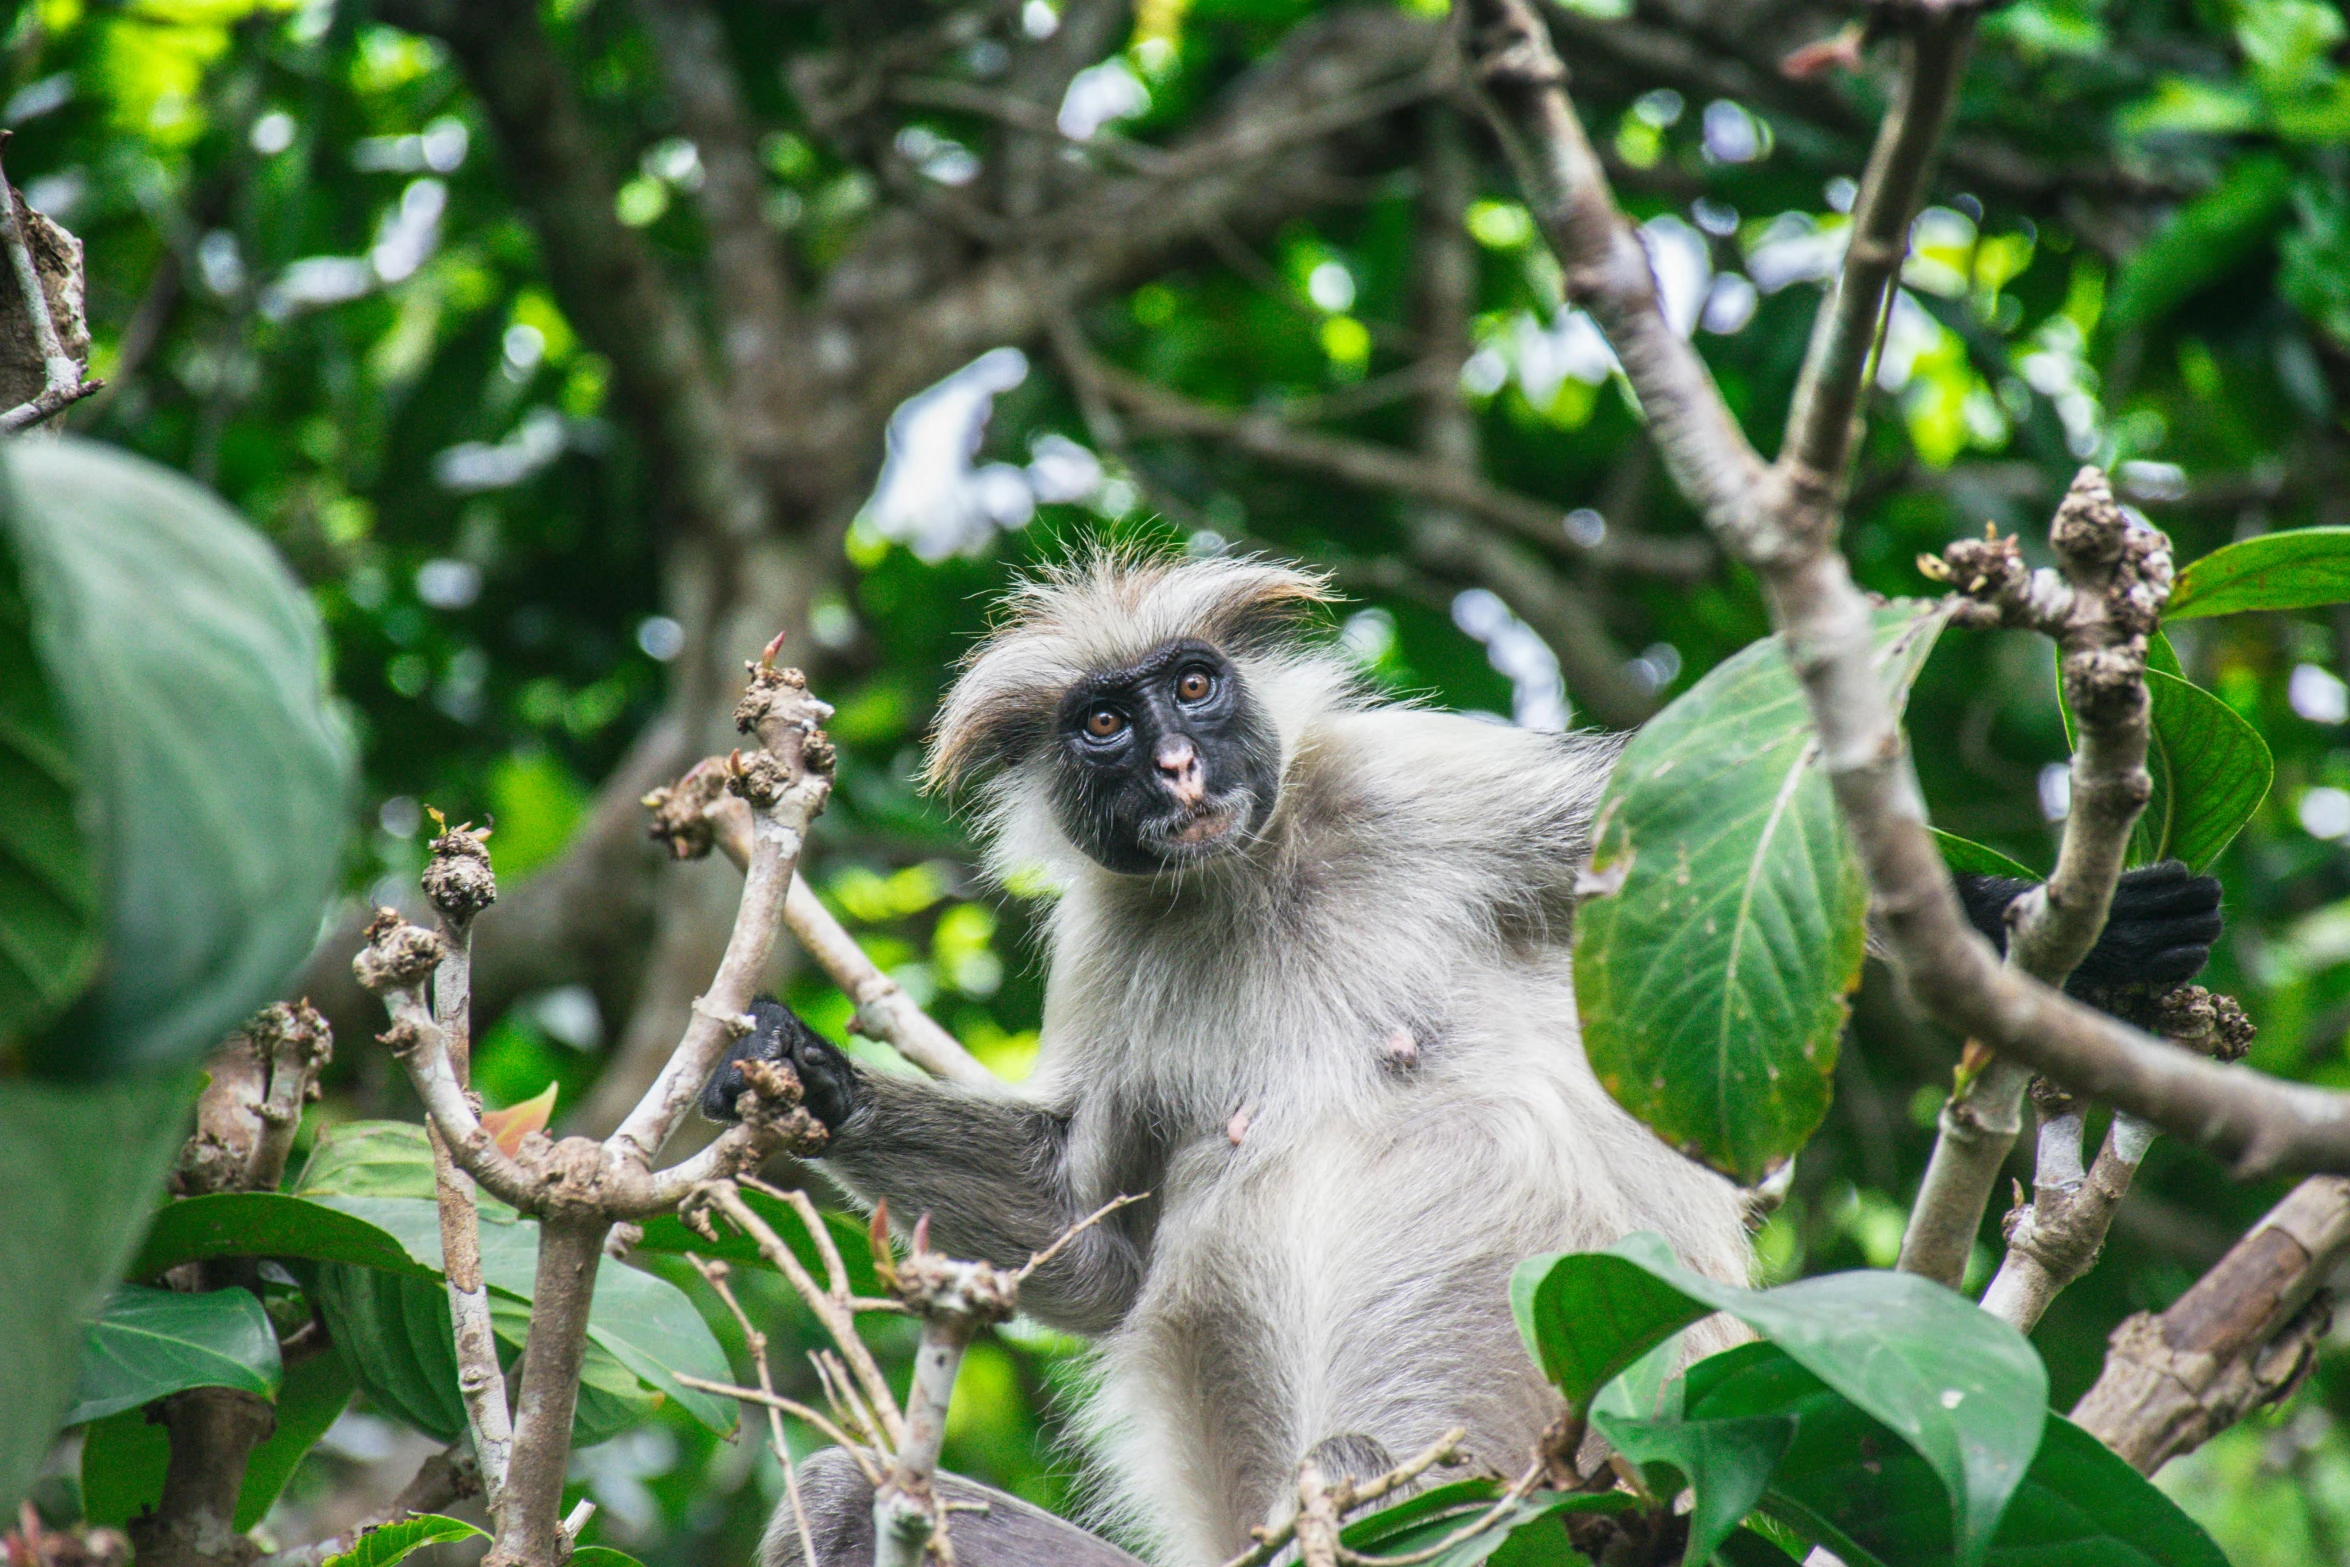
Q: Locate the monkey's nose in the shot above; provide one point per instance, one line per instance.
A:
(1179, 767)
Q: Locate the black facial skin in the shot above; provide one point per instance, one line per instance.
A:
(2163, 922)
(830, 1088)
(1164, 763)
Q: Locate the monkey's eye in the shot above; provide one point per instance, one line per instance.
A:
(1194, 685)
(1105, 723)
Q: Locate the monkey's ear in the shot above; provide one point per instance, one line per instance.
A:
(984, 725)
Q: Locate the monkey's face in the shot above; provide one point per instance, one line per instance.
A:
(1164, 762)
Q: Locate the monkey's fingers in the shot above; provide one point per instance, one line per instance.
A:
(2164, 891)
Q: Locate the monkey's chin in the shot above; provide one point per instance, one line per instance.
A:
(1200, 834)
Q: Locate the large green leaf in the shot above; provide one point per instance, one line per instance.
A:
(1712, 980)
(393, 1542)
(124, 1455)
(2211, 772)
(2210, 768)
(1961, 1388)
(265, 1224)
(80, 1170)
(645, 1328)
(2297, 568)
(149, 1343)
(1846, 1478)
(1586, 1316)
(49, 916)
(185, 660)
(395, 1331)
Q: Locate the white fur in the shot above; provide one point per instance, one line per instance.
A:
(1343, 1269)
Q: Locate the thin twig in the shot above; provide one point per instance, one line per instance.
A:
(798, 1411)
(715, 1273)
(1037, 1260)
(831, 1305)
(460, 883)
(1348, 1494)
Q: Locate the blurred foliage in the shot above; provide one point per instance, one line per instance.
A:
(312, 288)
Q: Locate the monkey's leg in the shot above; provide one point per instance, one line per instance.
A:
(1007, 1533)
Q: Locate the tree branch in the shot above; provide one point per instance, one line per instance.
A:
(694, 815)
(786, 782)
(2243, 1336)
(750, 290)
(2056, 1238)
(606, 277)
(62, 384)
(460, 883)
(1770, 522)
(1377, 467)
(2100, 607)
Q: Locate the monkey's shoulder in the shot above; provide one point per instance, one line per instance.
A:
(1462, 780)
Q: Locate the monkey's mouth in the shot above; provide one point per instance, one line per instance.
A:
(1202, 829)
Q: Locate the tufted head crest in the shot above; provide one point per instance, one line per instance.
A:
(1104, 609)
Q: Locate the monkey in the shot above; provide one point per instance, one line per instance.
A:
(1309, 995)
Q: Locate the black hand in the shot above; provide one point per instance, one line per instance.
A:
(828, 1079)
(2160, 930)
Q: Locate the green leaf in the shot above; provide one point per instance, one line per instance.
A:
(1420, 1522)
(2211, 771)
(396, 1332)
(264, 1224)
(316, 1392)
(1712, 981)
(185, 660)
(1965, 857)
(148, 1343)
(80, 1171)
(2209, 767)
(2209, 238)
(385, 1546)
(602, 1556)
(378, 1159)
(50, 922)
(1846, 1478)
(1961, 1388)
(1726, 1464)
(1586, 1316)
(642, 1330)
(2296, 568)
(124, 1455)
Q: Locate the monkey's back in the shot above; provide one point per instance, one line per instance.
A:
(1354, 1047)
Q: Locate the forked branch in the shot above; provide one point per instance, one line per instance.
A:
(2099, 605)
(1781, 519)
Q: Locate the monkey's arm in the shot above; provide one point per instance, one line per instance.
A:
(991, 1173)
(2160, 930)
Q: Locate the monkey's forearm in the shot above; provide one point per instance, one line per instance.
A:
(992, 1176)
